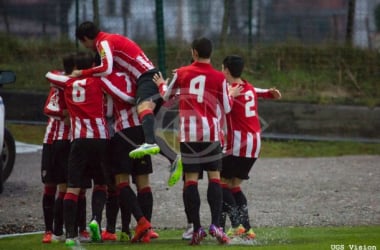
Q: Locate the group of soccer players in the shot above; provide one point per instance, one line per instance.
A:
(125, 87)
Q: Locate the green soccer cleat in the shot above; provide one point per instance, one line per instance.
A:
(125, 237)
(144, 149)
(236, 232)
(95, 233)
(71, 242)
(176, 169)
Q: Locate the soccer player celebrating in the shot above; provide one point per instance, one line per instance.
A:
(201, 90)
(243, 144)
(90, 138)
(54, 158)
(120, 52)
(128, 132)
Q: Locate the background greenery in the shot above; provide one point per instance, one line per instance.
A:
(326, 73)
(270, 148)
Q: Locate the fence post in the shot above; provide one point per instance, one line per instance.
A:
(160, 36)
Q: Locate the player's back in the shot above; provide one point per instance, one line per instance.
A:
(85, 102)
(128, 56)
(125, 113)
(202, 89)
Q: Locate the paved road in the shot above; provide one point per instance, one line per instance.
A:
(281, 192)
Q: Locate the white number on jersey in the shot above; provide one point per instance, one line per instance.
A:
(250, 104)
(197, 87)
(78, 93)
(128, 82)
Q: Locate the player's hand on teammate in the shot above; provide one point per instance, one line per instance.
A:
(235, 91)
(76, 73)
(158, 79)
(275, 93)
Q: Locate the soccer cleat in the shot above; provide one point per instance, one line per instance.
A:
(58, 238)
(142, 228)
(95, 233)
(47, 237)
(84, 236)
(153, 234)
(125, 237)
(236, 232)
(218, 234)
(144, 149)
(146, 237)
(175, 171)
(107, 236)
(72, 242)
(198, 236)
(250, 235)
(188, 234)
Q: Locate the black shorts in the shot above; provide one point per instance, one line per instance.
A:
(47, 168)
(88, 158)
(148, 90)
(201, 156)
(124, 142)
(236, 167)
(60, 157)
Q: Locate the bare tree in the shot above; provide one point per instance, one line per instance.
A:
(350, 21)
(226, 18)
(126, 8)
(3, 8)
(95, 8)
(64, 6)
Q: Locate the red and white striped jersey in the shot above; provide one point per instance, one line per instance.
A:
(55, 104)
(243, 128)
(50, 131)
(121, 53)
(202, 91)
(54, 108)
(125, 114)
(85, 101)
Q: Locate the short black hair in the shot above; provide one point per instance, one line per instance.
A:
(235, 64)
(88, 29)
(203, 46)
(84, 60)
(68, 61)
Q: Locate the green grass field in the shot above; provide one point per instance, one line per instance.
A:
(305, 238)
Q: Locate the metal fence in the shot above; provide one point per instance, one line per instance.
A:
(240, 22)
(237, 26)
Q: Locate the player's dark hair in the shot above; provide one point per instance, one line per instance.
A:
(203, 46)
(235, 64)
(88, 29)
(68, 62)
(84, 60)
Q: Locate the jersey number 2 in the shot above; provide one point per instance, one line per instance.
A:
(250, 104)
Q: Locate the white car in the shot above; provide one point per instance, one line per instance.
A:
(8, 152)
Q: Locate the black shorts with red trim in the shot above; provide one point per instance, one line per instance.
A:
(201, 156)
(88, 158)
(236, 167)
(147, 90)
(47, 168)
(60, 157)
(124, 142)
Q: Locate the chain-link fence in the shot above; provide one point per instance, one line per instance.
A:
(239, 21)
(280, 39)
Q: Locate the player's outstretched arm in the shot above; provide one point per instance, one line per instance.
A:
(275, 93)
